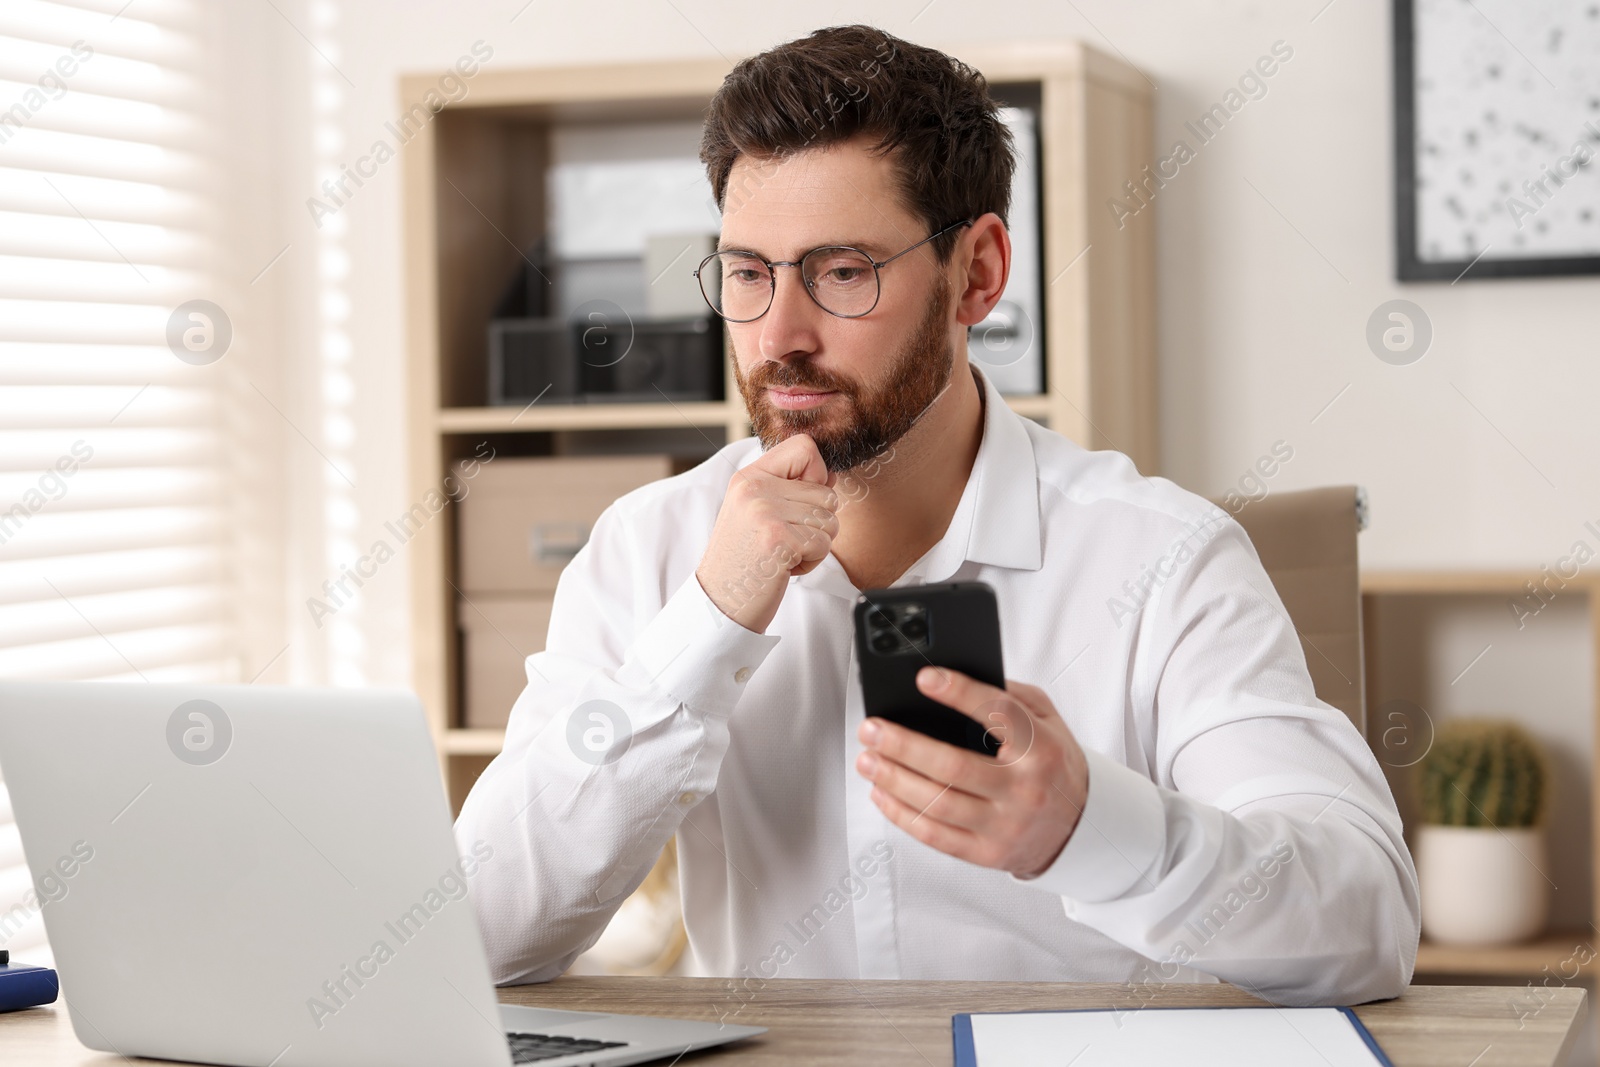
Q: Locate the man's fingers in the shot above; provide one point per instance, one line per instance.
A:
(1013, 724)
(1012, 714)
(813, 494)
(971, 697)
(796, 458)
(937, 760)
(810, 518)
(960, 691)
(1033, 698)
(939, 800)
(936, 833)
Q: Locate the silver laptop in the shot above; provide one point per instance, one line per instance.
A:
(268, 876)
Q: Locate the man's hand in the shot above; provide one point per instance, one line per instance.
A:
(777, 520)
(1014, 811)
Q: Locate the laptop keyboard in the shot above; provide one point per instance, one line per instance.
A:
(531, 1048)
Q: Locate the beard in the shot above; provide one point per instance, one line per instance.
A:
(860, 422)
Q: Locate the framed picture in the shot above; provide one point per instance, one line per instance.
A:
(1497, 138)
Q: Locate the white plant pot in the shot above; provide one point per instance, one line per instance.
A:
(1482, 885)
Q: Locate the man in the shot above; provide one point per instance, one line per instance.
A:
(1172, 801)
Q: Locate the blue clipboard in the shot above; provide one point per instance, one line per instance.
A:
(966, 1053)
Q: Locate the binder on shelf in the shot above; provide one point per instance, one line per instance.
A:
(1009, 343)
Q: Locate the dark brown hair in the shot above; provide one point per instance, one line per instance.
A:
(954, 157)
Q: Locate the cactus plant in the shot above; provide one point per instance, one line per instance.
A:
(1483, 772)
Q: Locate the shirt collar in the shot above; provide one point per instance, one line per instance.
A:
(997, 519)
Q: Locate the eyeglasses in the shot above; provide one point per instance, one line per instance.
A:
(842, 281)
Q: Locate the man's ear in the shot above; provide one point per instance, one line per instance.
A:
(982, 271)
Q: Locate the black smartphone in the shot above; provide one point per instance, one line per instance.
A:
(948, 624)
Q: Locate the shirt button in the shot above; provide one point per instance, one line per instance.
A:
(742, 674)
(686, 798)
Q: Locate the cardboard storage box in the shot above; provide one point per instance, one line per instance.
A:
(497, 637)
(524, 519)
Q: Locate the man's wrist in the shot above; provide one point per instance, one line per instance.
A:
(1118, 840)
(1051, 862)
(697, 653)
(734, 606)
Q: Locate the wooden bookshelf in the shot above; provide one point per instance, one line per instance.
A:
(1527, 960)
(1507, 961)
(475, 194)
(534, 419)
(466, 741)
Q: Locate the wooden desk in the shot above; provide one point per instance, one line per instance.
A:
(881, 1023)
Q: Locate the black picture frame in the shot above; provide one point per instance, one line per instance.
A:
(1408, 266)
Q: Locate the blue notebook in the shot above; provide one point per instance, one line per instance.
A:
(1195, 1037)
(24, 986)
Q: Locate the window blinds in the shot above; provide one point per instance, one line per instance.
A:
(113, 561)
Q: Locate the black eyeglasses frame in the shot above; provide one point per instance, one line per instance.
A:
(772, 273)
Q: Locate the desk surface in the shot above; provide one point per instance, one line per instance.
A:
(841, 1022)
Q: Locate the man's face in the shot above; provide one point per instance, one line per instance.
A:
(869, 378)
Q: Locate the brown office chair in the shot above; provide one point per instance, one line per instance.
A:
(1307, 543)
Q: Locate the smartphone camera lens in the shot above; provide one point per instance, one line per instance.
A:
(915, 627)
(883, 641)
(880, 618)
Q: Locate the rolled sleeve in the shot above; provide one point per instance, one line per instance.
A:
(696, 654)
(1119, 839)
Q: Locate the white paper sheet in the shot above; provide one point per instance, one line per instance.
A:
(1194, 1037)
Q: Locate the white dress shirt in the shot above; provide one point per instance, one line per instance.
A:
(1236, 827)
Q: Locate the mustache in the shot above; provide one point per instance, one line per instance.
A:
(796, 376)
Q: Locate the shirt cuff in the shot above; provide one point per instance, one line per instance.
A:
(1120, 836)
(698, 655)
